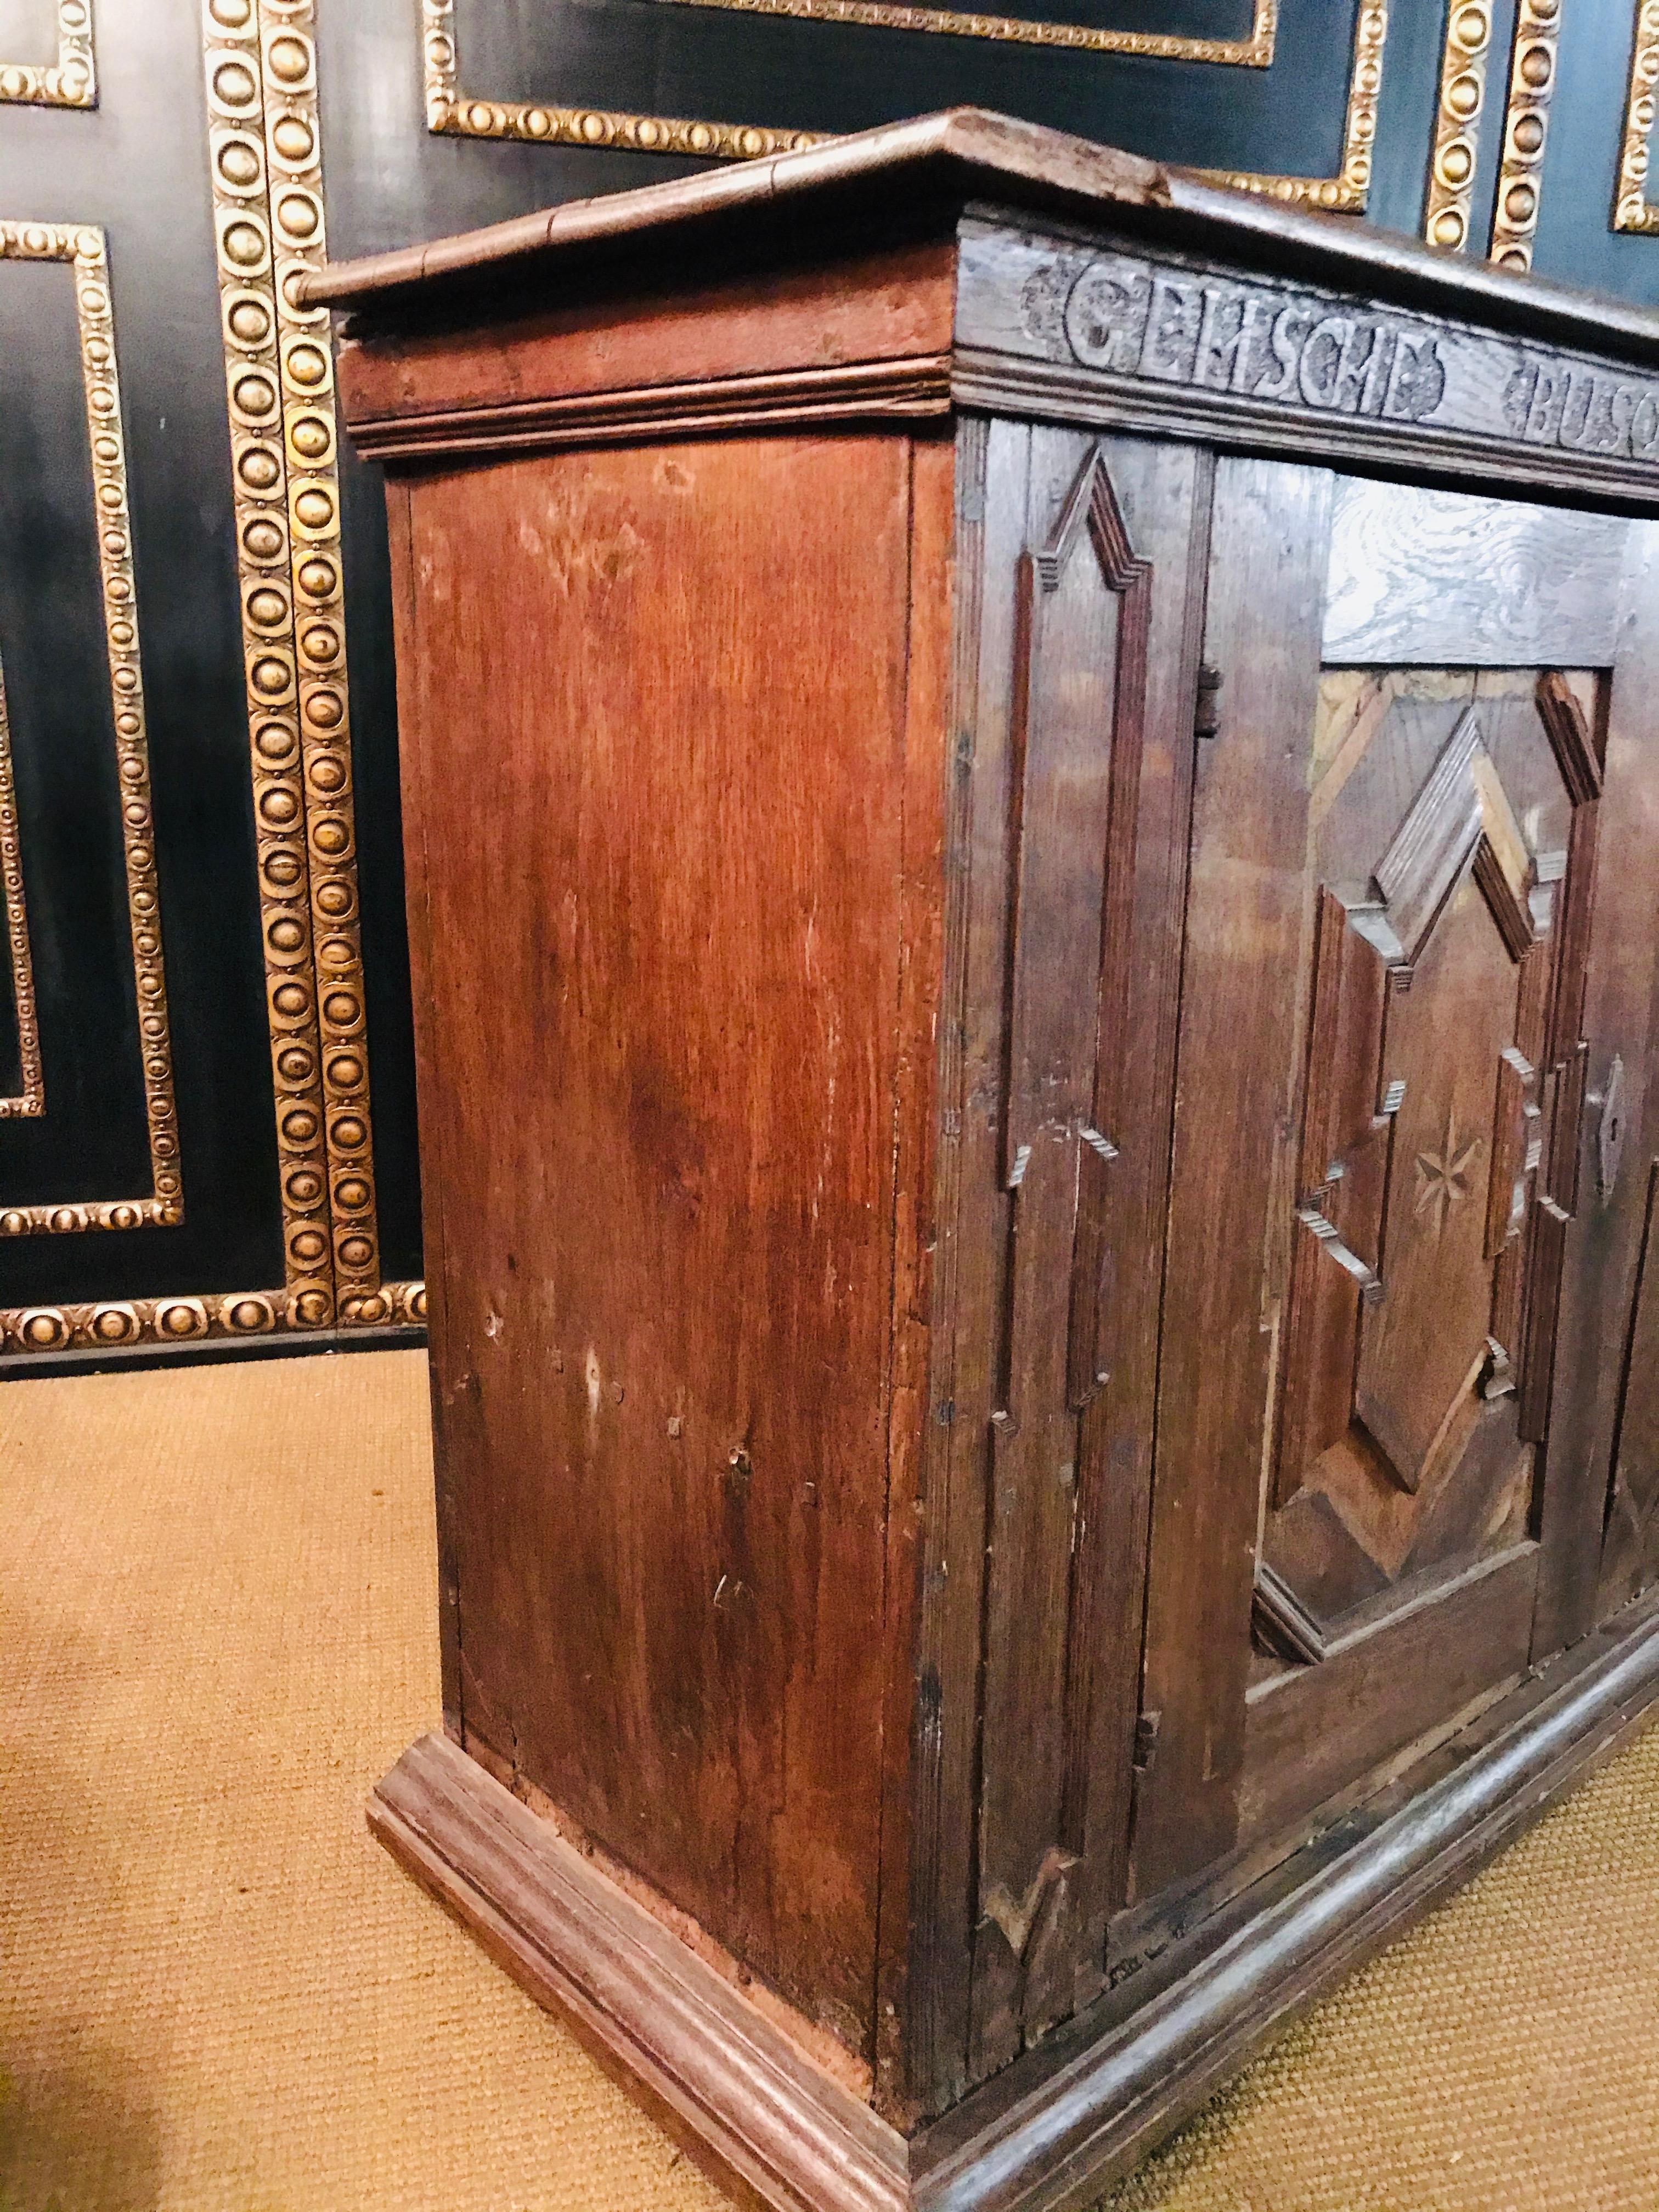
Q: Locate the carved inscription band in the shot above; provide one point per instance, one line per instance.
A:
(1135, 320)
(1274, 350)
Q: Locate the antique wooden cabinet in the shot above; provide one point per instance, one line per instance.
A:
(1032, 801)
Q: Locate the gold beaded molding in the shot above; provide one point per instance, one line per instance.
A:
(1463, 91)
(460, 114)
(112, 1322)
(261, 67)
(71, 80)
(32, 1098)
(1526, 128)
(1255, 50)
(1632, 209)
(82, 246)
(1347, 191)
(456, 114)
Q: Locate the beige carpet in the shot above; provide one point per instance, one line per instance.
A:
(216, 1630)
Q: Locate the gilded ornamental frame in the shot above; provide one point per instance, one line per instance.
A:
(70, 78)
(452, 111)
(259, 63)
(81, 247)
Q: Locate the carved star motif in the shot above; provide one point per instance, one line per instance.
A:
(1446, 1178)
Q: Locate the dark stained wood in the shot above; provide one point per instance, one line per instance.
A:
(1083, 2107)
(1167, 495)
(1397, 1457)
(1615, 989)
(1113, 329)
(1629, 1558)
(1079, 726)
(1108, 1284)
(1427, 1338)
(1311, 1729)
(930, 827)
(1245, 929)
(1338, 1235)
(1405, 1479)
(1036, 1077)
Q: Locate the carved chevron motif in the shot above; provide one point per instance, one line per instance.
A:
(1077, 738)
(1461, 817)
(1018, 1919)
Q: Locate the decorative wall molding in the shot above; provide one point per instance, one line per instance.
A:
(299, 230)
(1348, 191)
(31, 1099)
(1631, 209)
(1254, 51)
(261, 68)
(82, 246)
(457, 114)
(71, 80)
(1456, 123)
(453, 113)
(115, 1324)
(1526, 132)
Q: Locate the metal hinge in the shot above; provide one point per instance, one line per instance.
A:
(1207, 714)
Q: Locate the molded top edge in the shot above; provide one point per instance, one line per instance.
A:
(931, 168)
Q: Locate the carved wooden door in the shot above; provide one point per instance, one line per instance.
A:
(1452, 851)
(1379, 1161)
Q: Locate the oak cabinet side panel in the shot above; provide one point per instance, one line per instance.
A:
(662, 712)
(929, 826)
(412, 746)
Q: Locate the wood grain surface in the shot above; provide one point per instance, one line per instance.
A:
(1036, 1067)
(1452, 581)
(1247, 921)
(1616, 985)
(659, 801)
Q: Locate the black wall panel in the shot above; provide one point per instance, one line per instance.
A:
(138, 163)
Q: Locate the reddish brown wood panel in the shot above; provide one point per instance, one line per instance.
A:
(660, 711)
(893, 306)
(1248, 935)
(930, 781)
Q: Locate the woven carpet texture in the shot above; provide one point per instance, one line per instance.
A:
(218, 1629)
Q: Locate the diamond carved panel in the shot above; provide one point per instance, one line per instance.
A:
(1454, 816)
